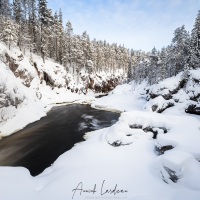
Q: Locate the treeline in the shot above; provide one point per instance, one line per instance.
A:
(182, 54)
(31, 25)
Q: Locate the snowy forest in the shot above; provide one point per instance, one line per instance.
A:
(33, 27)
(82, 118)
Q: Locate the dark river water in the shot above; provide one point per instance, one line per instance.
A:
(39, 144)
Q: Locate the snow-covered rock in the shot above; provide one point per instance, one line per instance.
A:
(159, 104)
(180, 92)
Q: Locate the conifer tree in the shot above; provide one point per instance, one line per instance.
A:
(180, 48)
(33, 28)
(44, 20)
(9, 33)
(195, 44)
(69, 43)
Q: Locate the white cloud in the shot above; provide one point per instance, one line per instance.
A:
(137, 24)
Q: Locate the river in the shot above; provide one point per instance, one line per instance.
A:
(39, 144)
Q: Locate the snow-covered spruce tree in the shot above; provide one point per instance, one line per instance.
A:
(25, 35)
(33, 24)
(163, 63)
(5, 8)
(99, 58)
(152, 72)
(26, 39)
(44, 20)
(170, 59)
(77, 56)
(24, 5)
(48, 33)
(56, 36)
(88, 53)
(118, 55)
(62, 43)
(125, 56)
(134, 64)
(68, 45)
(5, 13)
(194, 61)
(61, 40)
(84, 45)
(180, 48)
(64, 56)
(60, 16)
(113, 64)
(91, 58)
(129, 75)
(17, 14)
(1, 8)
(9, 33)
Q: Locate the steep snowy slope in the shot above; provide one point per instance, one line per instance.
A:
(28, 85)
(16, 103)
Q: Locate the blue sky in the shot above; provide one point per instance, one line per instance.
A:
(138, 24)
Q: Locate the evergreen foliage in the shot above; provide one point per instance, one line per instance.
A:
(30, 25)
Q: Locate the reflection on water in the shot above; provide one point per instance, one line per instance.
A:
(39, 144)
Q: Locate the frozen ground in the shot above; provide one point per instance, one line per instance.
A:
(132, 164)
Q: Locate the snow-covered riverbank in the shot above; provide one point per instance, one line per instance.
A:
(29, 88)
(123, 157)
(152, 152)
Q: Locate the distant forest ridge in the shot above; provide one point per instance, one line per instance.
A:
(32, 26)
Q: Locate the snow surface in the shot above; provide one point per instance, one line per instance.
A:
(133, 165)
(14, 117)
(36, 99)
(123, 98)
